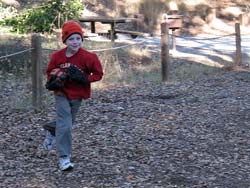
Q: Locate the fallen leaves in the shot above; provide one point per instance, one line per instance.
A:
(189, 134)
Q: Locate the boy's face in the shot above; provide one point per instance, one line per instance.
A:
(74, 42)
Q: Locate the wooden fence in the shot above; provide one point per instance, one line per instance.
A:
(37, 87)
(36, 60)
(165, 55)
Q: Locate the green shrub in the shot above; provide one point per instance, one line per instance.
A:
(42, 19)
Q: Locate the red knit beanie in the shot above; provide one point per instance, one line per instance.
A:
(69, 28)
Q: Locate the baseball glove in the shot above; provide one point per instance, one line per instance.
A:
(77, 75)
(57, 78)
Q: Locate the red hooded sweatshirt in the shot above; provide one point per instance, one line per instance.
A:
(88, 62)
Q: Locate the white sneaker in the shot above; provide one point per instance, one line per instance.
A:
(49, 142)
(65, 164)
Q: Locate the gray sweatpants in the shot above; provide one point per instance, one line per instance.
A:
(66, 111)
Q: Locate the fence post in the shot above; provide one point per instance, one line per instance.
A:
(36, 55)
(164, 51)
(238, 44)
(173, 40)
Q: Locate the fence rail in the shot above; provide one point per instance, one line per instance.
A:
(16, 53)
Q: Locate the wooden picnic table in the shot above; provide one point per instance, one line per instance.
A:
(106, 20)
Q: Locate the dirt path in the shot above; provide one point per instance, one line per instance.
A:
(189, 134)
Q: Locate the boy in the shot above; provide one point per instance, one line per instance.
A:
(70, 73)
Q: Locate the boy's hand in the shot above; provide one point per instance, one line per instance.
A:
(77, 75)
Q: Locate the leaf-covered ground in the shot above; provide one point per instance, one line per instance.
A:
(183, 134)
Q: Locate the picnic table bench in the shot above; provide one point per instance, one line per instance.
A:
(132, 33)
(105, 20)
